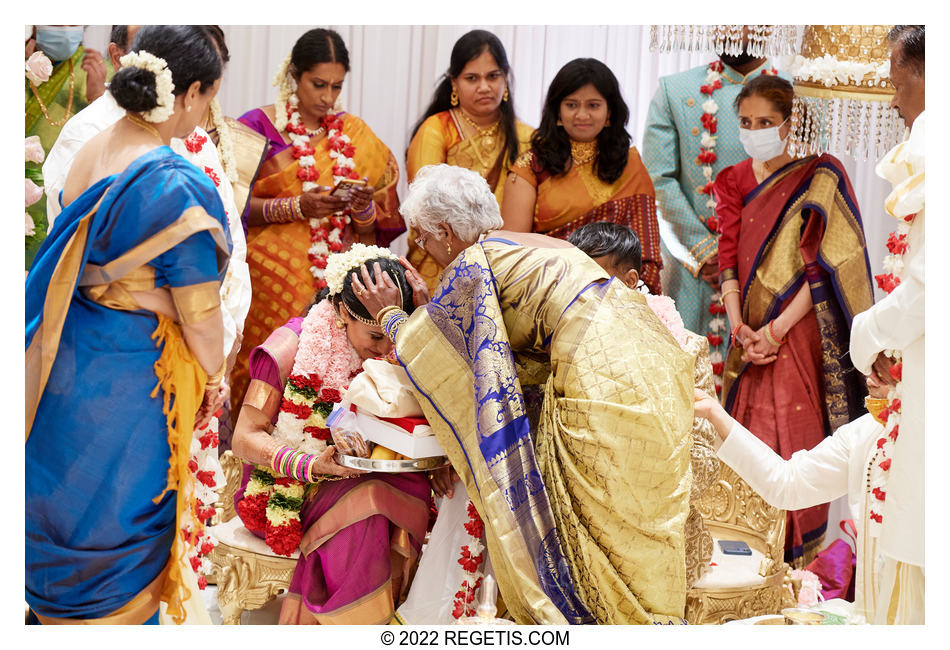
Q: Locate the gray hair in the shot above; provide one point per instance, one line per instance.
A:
(458, 196)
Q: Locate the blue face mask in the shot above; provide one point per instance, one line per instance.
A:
(58, 42)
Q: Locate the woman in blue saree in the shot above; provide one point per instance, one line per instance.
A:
(123, 350)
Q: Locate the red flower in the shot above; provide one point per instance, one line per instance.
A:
(300, 152)
(706, 157)
(338, 222)
(881, 442)
(896, 406)
(459, 610)
(252, 511)
(195, 142)
(909, 218)
(202, 582)
(879, 493)
(320, 433)
(299, 129)
(285, 481)
(308, 174)
(355, 176)
(193, 465)
(887, 282)
(714, 339)
(468, 561)
(474, 526)
(336, 246)
(893, 433)
(195, 563)
(876, 517)
(330, 395)
(771, 72)
(302, 411)
(718, 389)
(285, 539)
(209, 439)
(896, 244)
(206, 477)
(206, 548)
(717, 367)
(713, 224)
(716, 65)
(895, 371)
(206, 513)
(709, 122)
(708, 188)
(212, 176)
(885, 465)
(321, 284)
(349, 150)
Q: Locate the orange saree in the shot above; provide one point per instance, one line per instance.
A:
(578, 197)
(277, 253)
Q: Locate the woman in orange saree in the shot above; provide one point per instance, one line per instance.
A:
(470, 123)
(581, 167)
(292, 222)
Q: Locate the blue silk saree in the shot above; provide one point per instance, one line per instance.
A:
(98, 456)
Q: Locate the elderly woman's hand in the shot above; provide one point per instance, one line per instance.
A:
(420, 290)
(377, 291)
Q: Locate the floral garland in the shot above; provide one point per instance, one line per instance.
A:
(471, 559)
(341, 264)
(891, 414)
(831, 71)
(225, 143)
(706, 158)
(271, 503)
(209, 479)
(164, 87)
(33, 154)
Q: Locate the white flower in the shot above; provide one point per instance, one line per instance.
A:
(38, 68)
(307, 161)
(712, 76)
(30, 226)
(708, 141)
(711, 203)
(715, 356)
(710, 106)
(310, 185)
(339, 264)
(33, 192)
(34, 149)
(164, 87)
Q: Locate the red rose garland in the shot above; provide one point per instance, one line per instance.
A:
(208, 479)
(891, 415)
(470, 559)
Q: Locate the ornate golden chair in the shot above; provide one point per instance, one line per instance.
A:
(247, 572)
(740, 587)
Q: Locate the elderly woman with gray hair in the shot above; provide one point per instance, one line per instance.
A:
(583, 518)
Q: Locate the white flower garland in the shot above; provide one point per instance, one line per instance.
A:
(342, 263)
(830, 71)
(225, 143)
(164, 87)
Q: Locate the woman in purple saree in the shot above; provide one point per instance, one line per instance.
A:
(359, 537)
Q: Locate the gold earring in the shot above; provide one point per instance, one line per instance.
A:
(504, 97)
(454, 98)
(187, 109)
(339, 323)
(448, 248)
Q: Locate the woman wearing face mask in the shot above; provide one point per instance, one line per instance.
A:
(581, 167)
(794, 272)
(470, 123)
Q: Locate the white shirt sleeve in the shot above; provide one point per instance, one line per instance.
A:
(808, 478)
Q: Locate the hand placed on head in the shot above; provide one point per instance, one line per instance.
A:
(376, 291)
(420, 290)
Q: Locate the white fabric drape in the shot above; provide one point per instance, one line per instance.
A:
(394, 69)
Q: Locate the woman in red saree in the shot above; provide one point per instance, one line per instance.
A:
(292, 222)
(794, 272)
(581, 168)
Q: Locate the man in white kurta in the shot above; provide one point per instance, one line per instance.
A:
(896, 323)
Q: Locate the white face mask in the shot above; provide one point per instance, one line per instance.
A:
(763, 144)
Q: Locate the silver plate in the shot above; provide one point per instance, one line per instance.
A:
(394, 466)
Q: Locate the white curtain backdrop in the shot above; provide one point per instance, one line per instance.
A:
(394, 70)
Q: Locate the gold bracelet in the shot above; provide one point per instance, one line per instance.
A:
(384, 312)
(298, 213)
(769, 337)
(215, 380)
(723, 296)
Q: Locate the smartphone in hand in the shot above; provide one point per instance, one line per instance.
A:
(343, 187)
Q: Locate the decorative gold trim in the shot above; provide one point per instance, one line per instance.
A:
(197, 302)
(859, 93)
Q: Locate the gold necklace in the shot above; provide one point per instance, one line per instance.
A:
(583, 152)
(142, 124)
(487, 134)
(69, 102)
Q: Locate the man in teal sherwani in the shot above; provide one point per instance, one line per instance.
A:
(692, 133)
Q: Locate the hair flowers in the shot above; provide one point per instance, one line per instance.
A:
(340, 264)
(164, 87)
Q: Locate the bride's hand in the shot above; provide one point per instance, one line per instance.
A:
(443, 481)
(326, 465)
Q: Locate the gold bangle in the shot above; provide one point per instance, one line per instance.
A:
(723, 296)
(384, 312)
(215, 380)
(298, 213)
(769, 337)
